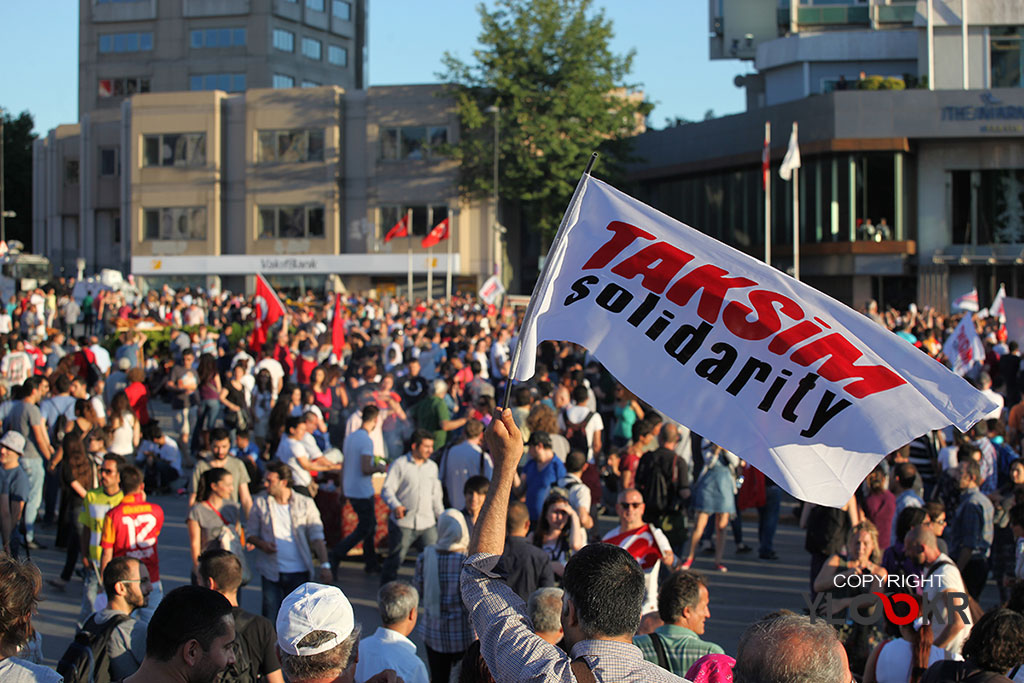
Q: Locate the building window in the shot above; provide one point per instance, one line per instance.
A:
(412, 142)
(126, 42)
(289, 146)
(71, 171)
(424, 217)
(122, 87)
(342, 9)
(217, 37)
(283, 81)
(225, 82)
(177, 223)
(315, 5)
(1007, 56)
(310, 84)
(337, 55)
(284, 40)
(109, 162)
(174, 149)
(311, 48)
(291, 221)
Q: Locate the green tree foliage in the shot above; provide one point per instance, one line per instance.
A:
(561, 94)
(18, 138)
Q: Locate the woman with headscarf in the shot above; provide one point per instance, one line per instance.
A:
(447, 629)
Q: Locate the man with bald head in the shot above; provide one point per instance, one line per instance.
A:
(788, 647)
(941, 576)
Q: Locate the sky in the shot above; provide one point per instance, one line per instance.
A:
(406, 41)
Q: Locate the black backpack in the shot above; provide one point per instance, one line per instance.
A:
(657, 486)
(242, 670)
(86, 660)
(576, 432)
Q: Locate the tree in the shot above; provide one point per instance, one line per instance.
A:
(561, 95)
(18, 138)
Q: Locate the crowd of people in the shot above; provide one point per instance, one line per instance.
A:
(554, 537)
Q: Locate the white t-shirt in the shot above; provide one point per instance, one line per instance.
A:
(895, 659)
(15, 670)
(288, 558)
(578, 414)
(169, 452)
(947, 457)
(102, 358)
(121, 441)
(355, 484)
(288, 452)
(946, 578)
(274, 368)
(387, 649)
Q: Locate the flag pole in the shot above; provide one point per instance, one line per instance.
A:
(448, 262)
(408, 231)
(430, 274)
(796, 218)
(545, 276)
(767, 195)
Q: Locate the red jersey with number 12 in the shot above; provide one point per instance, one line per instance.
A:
(132, 528)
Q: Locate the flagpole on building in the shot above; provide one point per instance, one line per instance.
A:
(454, 216)
(408, 230)
(430, 274)
(543, 279)
(796, 218)
(767, 181)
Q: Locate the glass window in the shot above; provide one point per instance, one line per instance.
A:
(290, 222)
(438, 136)
(315, 147)
(126, 42)
(342, 9)
(311, 48)
(413, 143)
(337, 55)
(283, 81)
(315, 5)
(178, 223)
(289, 146)
(310, 84)
(1007, 57)
(71, 171)
(108, 162)
(315, 221)
(266, 223)
(284, 40)
(175, 149)
(196, 38)
(226, 82)
(217, 37)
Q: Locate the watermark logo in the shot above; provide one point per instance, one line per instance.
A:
(899, 608)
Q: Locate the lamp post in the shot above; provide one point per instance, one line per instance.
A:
(496, 227)
(3, 193)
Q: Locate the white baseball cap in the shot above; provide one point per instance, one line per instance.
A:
(313, 607)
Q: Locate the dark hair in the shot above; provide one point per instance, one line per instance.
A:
(575, 461)
(1016, 601)
(679, 591)
(543, 526)
(120, 405)
(972, 468)
(131, 479)
(283, 472)
(118, 569)
(207, 479)
(580, 395)
(518, 514)
(370, 413)
(62, 384)
(186, 613)
(908, 519)
(420, 435)
(965, 452)
(473, 429)
(606, 585)
(223, 567)
(996, 642)
(477, 484)
(906, 473)
(523, 397)
(242, 434)
(642, 428)
(219, 434)
(292, 423)
(474, 668)
(207, 368)
(19, 592)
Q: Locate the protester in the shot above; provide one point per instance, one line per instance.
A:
(389, 647)
(544, 609)
(19, 594)
(559, 532)
(714, 499)
(683, 607)
(972, 530)
(646, 543)
(951, 627)
(255, 640)
(524, 565)
(94, 511)
(357, 479)
(15, 490)
(540, 473)
(220, 456)
(464, 460)
(784, 648)
(213, 519)
(995, 646)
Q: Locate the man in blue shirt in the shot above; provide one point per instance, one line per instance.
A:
(972, 529)
(542, 472)
(14, 491)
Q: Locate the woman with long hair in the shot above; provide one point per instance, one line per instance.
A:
(714, 498)
(559, 532)
(78, 474)
(290, 398)
(263, 398)
(322, 393)
(212, 514)
(994, 647)
(448, 631)
(210, 401)
(905, 656)
(125, 432)
(233, 397)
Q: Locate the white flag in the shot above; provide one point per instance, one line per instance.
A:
(964, 348)
(792, 158)
(492, 290)
(967, 302)
(811, 392)
(996, 309)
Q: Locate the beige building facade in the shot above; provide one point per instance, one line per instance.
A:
(300, 183)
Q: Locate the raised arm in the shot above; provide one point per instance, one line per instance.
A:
(506, 445)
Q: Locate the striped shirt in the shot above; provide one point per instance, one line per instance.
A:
(451, 631)
(513, 652)
(94, 510)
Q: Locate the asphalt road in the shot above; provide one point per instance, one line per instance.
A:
(751, 588)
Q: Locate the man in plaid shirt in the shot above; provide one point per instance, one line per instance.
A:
(604, 587)
(683, 606)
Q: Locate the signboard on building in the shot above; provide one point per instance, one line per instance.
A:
(300, 264)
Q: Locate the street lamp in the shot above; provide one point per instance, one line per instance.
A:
(496, 228)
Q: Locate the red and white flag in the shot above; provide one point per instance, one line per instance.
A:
(399, 229)
(967, 302)
(997, 309)
(338, 329)
(437, 234)
(267, 308)
(766, 163)
(807, 390)
(964, 349)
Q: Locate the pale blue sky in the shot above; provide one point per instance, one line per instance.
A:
(407, 38)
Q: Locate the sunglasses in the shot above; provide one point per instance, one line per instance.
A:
(631, 505)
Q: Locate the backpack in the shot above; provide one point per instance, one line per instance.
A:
(656, 486)
(242, 671)
(86, 660)
(576, 432)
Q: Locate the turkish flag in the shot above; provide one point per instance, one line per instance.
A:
(399, 229)
(338, 329)
(269, 306)
(437, 234)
